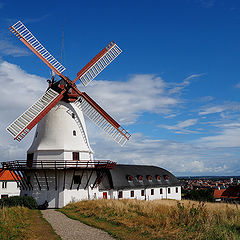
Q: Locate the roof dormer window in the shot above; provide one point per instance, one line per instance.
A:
(166, 177)
(130, 178)
(149, 178)
(158, 177)
(140, 178)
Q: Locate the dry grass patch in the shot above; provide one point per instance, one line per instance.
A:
(159, 219)
(22, 223)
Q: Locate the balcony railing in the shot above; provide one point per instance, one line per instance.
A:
(57, 164)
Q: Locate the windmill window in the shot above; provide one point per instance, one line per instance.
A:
(30, 156)
(74, 133)
(29, 159)
(166, 177)
(4, 184)
(132, 193)
(75, 155)
(161, 191)
(142, 192)
(120, 194)
(152, 191)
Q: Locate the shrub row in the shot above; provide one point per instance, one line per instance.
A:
(25, 201)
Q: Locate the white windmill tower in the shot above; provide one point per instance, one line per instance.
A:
(60, 163)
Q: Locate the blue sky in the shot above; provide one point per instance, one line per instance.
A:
(175, 87)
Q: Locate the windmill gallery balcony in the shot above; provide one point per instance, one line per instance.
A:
(46, 173)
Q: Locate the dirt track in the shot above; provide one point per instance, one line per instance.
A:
(69, 229)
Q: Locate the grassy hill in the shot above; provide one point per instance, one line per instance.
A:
(159, 219)
(21, 223)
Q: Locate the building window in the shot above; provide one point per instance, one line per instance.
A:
(4, 184)
(73, 115)
(74, 133)
(76, 179)
(152, 191)
(142, 192)
(132, 193)
(120, 194)
(161, 192)
(158, 178)
(149, 178)
(75, 155)
(176, 189)
(169, 190)
(140, 178)
(129, 178)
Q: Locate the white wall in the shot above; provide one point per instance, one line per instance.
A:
(126, 194)
(60, 197)
(11, 190)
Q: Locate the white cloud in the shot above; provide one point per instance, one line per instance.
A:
(177, 157)
(178, 87)
(231, 107)
(126, 101)
(228, 137)
(6, 48)
(181, 127)
(237, 85)
(206, 3)
(211, 110)
(18, 91)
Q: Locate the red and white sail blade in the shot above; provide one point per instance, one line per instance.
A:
(19, 30)
(95, 113)
(23, 124)
(98, 63)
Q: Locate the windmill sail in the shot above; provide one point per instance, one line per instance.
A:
(20, 31)
(98, 63)
(24, 123)
(94, 112)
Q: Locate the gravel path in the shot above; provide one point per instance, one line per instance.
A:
(69, 229)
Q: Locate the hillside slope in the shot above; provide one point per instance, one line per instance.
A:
(159, 219)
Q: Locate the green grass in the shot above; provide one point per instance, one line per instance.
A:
(21, 223)
(160, 219)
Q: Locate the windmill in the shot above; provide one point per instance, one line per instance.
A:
(61, 135)
(66, 90)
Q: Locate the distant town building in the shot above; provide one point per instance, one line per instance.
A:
(8, 185)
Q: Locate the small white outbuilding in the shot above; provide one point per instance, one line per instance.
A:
(8, 186)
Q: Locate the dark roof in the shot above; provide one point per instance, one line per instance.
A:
(232, 192)
(118, 177)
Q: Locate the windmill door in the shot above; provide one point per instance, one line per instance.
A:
(105, 195)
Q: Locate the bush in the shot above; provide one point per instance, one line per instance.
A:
(24, 201)
(205, 195)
